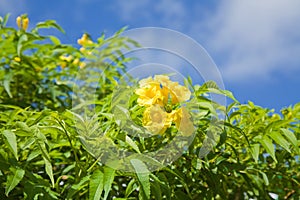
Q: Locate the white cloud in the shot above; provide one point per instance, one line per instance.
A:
(256, 38)
(248, 39)
(11, 6)
(170, 12)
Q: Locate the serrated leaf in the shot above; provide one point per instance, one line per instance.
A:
(143, 176)
(269, 146)
(109, 175)
(11, 141)
(279, 139)
(14, 179)
(96, 185)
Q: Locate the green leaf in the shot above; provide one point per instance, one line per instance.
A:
(291, 137)
(96, 185)
(11, 142)
(21, 41)
(269, 146)
(49, 170)
(5, 19)
(132, 186)
(265, 178)
(78, 186)
(279, 139)
(255, 151)
(54, 40)
(143, 176)
(49, 24)
(109, 175)
(6, 83)
(156, 190)
(132, 144)
(14, 179)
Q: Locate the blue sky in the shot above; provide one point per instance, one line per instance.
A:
(255, 44)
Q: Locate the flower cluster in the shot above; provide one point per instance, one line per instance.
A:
(161, 97)
(69, 59)
(22, 22)
(85, 42)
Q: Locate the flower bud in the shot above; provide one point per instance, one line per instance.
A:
(18, 21)
(25, 23)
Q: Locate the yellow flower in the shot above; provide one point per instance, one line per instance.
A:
(183, 122)
(84, 40)
(179, 93)
(76, 61)
(22, 22)
(66, 58)
(82, 65)
(164, 80)
(156, 120)
(158, 93)
(17, 59)
(152, 94)
(18, 21)
(25, 24)
(159, 90)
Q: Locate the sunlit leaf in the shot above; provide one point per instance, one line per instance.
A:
(13, 179)
(96, 185)
(142, 174)
(269, 146)
(11, 140)
(109, 174)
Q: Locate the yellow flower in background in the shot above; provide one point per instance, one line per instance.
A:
(156, 120)
(84, 40)
(17, 59)
(22, 22)
(25, 23)
(68, 58)
(82, 65)
(19, 21)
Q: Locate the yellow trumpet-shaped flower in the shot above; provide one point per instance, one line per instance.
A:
(156, 120)
(183, 122)
(160, 96)
(152, 94)
(179, 93)
(159, 90)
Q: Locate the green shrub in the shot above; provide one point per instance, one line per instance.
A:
(50, 152)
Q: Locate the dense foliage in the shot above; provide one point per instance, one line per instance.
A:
(47, 149)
